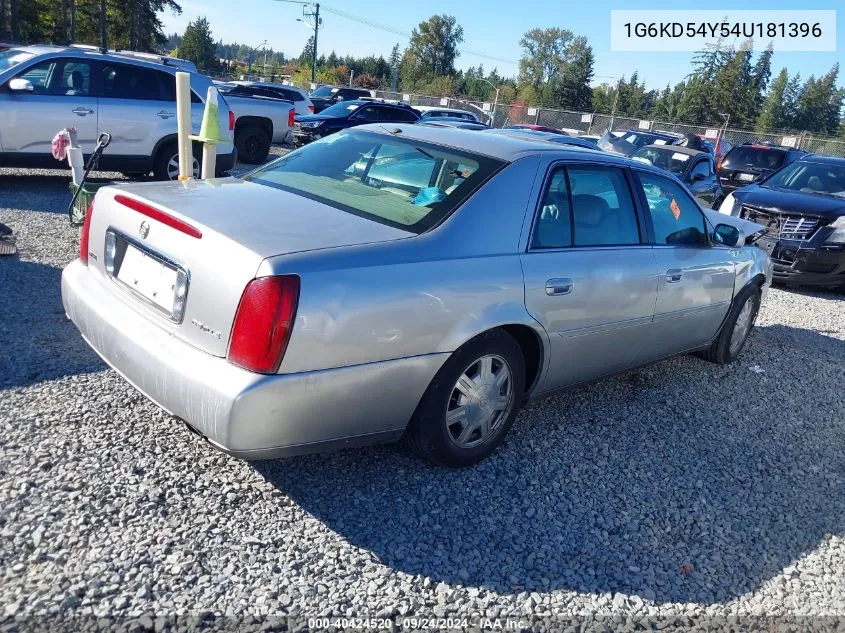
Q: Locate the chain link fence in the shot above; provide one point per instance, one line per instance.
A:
(592, 123)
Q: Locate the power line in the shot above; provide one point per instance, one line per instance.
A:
(406, 34)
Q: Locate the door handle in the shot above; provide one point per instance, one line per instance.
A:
(674, 275)
(164, 114)
(556, 287)
(82, 111)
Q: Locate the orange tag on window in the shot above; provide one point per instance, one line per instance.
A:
(676, 210)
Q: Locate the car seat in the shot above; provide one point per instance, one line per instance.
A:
(75, 83)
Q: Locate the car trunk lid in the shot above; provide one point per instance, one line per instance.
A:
(149, 239)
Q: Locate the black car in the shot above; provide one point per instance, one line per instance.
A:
(349, 114)
(325, 96)
(747, 162)
(803, 207)
(632, 140)
(694, 168)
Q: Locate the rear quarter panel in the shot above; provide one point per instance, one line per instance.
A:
(422, 295)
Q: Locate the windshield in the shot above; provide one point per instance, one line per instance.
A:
(341, 109)
(324, 91)
(388, 179)
(675, 162)
(810, 177)
(756, 157)
(13, 57)
(638, 139)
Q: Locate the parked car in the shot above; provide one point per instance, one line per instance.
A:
(693, 168)
(260, 121)
(803, 207)
(302, 104)
(717, 148)
(459, 123)
(349, 114)
(551, 137)
(44, 89)
(325, 96)
(408, 280)
(436, 112)
(535, 128)
(627, 143)
(593, 139)
(747, 162)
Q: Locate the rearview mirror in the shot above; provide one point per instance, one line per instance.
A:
(727, 235)
(21, 85)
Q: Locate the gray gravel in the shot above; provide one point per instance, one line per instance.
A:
(681, 489)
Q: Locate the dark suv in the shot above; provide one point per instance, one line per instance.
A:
(324, 96)
(749, 162)
(346, 114)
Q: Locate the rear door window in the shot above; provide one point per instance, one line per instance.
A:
(602, 209)
(123, 81)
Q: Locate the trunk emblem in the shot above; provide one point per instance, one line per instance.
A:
(144, 229)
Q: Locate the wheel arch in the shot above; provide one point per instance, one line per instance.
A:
(263, 123)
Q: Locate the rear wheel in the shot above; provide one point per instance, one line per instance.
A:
(471, 403)
(253, 144)
(738, 325)
(167, 163)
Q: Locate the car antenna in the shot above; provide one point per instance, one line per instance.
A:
(392, 132)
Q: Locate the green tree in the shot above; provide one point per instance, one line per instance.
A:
(760, 76)
(573, 87)
(773, 113)
(733, 89)
(198, 45)
(432, 50)
(307, 54)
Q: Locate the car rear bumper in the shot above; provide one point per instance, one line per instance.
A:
(247, 415)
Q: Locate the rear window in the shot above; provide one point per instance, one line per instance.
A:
(757, 157)
(388, 179)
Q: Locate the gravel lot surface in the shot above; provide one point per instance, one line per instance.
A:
(681, 489)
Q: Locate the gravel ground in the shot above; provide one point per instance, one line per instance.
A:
(679, 490)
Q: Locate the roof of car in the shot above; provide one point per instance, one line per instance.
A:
(151, 60)
(676, 149)
(506, 147)
(822, 160)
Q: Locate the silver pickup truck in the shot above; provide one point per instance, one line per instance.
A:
(259, 121)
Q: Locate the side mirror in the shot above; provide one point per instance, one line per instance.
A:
(727, 235)
(21, 85)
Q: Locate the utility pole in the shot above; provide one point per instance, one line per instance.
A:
(314, 52)
(104, 42)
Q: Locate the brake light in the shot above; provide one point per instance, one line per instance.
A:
(263, 323)
(159, 215)
(231, 120)
(719, 166)
(311, 107)
(86, 231)
(290, 117)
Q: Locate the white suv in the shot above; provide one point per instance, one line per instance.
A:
(44, 89)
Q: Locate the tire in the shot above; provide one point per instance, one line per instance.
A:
(166, 165)
(724, 350)
(482, 419)
(253, 144)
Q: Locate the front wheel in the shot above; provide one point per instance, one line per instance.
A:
(471, 403)
(738, 325)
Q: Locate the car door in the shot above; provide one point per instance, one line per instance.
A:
(61, 97)
(137, 107)
(590, 278)
(696, 277)
(703, 182)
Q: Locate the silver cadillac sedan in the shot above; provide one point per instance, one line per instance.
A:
(403, 281)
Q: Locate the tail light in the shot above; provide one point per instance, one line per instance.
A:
(263, 323)
(719, 166)
(231, 120)
(86, 231)
(158, 214)
(290, 117)
(311, 107)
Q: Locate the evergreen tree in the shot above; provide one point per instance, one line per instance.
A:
(760, 78)
(573, 87)
(198, 46)
(773, 113)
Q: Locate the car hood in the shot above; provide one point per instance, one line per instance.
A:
(263, 219)
(779, 200)
(303, 118)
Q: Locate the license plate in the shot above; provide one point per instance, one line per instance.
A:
(745, 177)
(149, 277)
